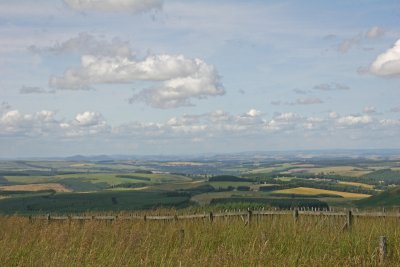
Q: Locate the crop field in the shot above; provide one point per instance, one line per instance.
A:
(316, 191)
(36, 187)
(268, 241)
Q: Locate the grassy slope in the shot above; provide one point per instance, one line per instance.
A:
(388, 198)
(270, 241)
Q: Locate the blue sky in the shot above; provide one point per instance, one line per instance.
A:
(180, 77)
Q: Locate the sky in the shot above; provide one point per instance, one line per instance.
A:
(187, 77)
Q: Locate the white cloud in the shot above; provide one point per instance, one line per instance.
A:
(253, 113)
(44, 123)
(132, 6)
(13, 122)
(389, 122)
(207, 128)
(181, 78)
(354, 120)
(387, 63)
(333, 115)
(89, 118)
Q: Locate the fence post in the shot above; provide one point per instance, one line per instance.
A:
(249, 215)
(382, 249)
(349, 219)
(144, 218)
(211, 216)
(296, 215)
(48, 217)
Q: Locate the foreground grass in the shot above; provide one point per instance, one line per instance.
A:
(268, 241)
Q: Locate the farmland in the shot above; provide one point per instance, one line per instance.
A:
(28, 187)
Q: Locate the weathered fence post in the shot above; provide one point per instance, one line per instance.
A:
(144, 218)
(296, 215)
(211, 216)
(382, 249)
(349, 219)
(48, 217)
(249, 216)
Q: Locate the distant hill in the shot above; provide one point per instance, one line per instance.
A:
(387, 198)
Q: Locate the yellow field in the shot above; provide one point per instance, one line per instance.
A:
(366, 186)
(36, 187)
(316, 191)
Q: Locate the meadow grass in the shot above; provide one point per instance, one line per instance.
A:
(267, 241)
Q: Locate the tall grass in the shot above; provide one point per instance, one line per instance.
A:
(268, 241)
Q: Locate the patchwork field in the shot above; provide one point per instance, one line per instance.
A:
(36, 187)
(315, 191)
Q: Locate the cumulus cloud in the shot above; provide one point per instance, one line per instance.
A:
(177, 79)
(354, 120)
(253, 113)
(89, 118)
(387, 63)
(34, 90)
(44, 123)
(331, 87)
(181, 78)
(13, 122)
(131, 6)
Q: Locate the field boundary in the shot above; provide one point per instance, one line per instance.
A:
(248, 214)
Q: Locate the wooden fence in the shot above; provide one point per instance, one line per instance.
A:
(245, 215)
